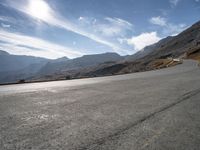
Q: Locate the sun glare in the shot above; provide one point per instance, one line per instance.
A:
(39, 9)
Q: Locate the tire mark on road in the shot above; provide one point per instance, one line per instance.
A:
(102, 140)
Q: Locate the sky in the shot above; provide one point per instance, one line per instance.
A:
(73, 28)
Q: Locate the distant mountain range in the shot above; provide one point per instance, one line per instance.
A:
(79, 63)
(15, 62)
(14, 67)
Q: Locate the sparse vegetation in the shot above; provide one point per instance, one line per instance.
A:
(163, 63)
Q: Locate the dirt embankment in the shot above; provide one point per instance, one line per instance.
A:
(194, 54)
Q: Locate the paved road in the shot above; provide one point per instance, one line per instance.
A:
(150, 110)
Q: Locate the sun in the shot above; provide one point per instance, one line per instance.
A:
(38, 9)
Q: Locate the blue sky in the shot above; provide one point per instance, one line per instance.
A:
(72, 28)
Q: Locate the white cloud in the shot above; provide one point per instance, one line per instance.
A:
(119, 22)
(121, 40)
(55, 19)
(168, 28)
(7, 19)
(105, 28)
(62, 23)
(5, 25)
(19, 44)
(17, 22)
(174, 29)
(85, 20)
(81, 18)
(143, 40)
(174, 2)
(114, 27)
(158, 21)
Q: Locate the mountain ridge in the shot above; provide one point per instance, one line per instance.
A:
(184, 45)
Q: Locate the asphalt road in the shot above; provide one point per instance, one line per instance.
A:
(150, 110)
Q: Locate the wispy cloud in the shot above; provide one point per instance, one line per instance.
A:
(5, 25)
(73, 28)
(7, 19)
(114, 27)
(168, 28)
(143, 40)
(158, 21)
(107, 27)
(174, 29)
(59, 21)
(174, 2)
(16, 43)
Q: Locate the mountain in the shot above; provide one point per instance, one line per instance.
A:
(180, 44)
(62, 59)
(3, 53)
(16, 67)
(148, 49)
(10, 62)
(158, 55)
(172, 46)
(79, 63)
(184, 45)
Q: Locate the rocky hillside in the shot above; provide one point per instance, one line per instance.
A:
(158, 55)
(79, 63)
(15, 68)
(149, 49)
(186, 44)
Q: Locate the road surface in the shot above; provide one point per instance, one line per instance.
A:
(149, 110)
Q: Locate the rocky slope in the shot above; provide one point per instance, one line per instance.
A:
(158, 55)
(15, 68)
(183, 45)
(78, 63)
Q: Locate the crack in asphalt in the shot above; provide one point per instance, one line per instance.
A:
(102, 140)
